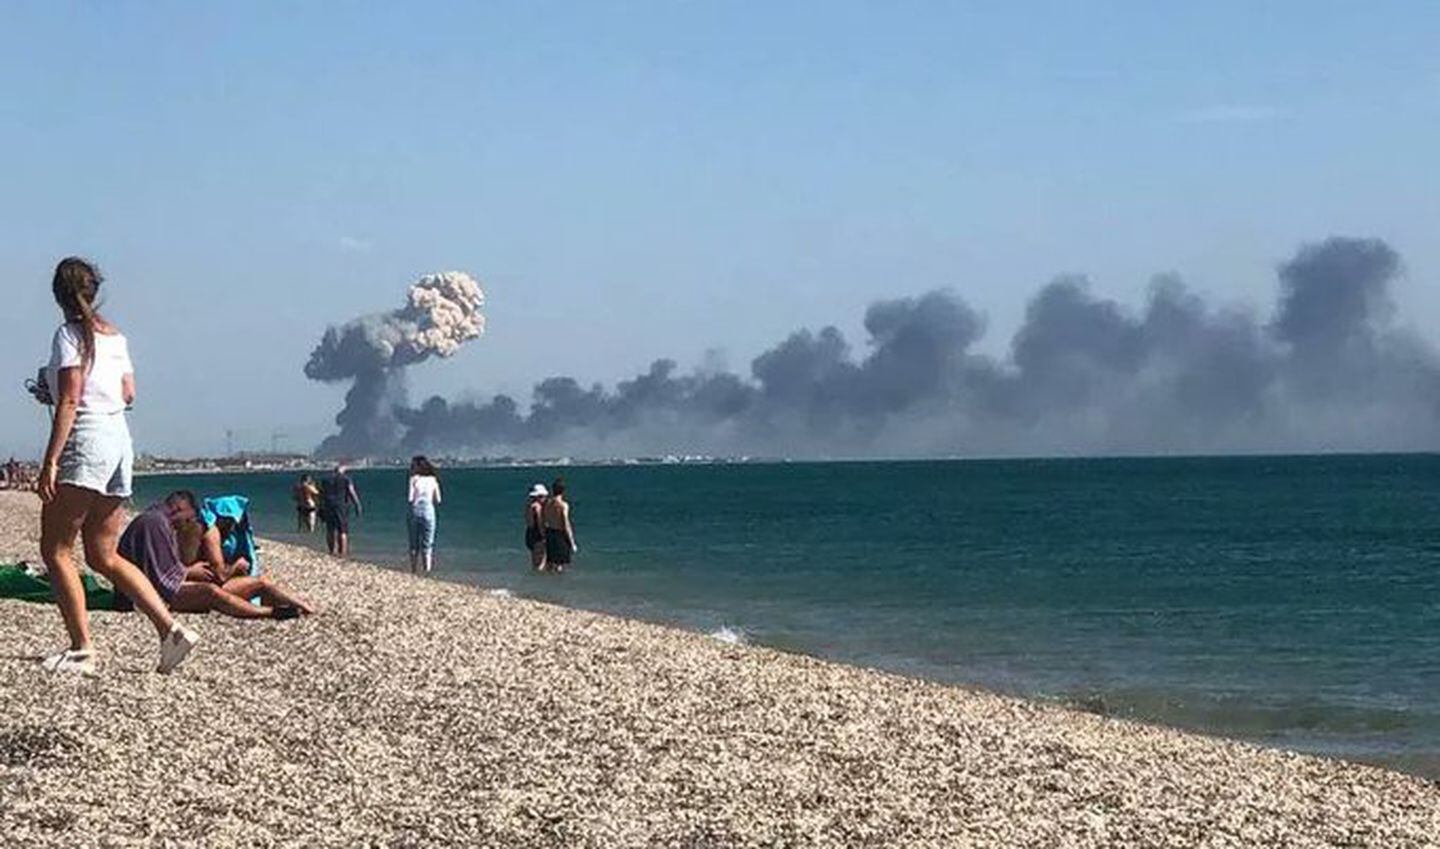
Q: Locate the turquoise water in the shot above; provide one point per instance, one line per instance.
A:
(1293, 601)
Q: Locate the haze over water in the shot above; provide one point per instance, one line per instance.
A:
(1290, 600)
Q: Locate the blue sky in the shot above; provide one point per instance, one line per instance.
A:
(635, 180)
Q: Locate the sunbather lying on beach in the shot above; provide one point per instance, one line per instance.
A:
(150, 542)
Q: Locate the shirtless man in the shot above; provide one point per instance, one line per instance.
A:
(306, 496)
(559, 533)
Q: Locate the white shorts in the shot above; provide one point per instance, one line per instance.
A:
(99, 455)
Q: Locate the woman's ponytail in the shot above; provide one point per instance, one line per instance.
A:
(76, 286)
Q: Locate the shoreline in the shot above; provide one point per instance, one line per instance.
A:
(422, 712)
(1424, 765)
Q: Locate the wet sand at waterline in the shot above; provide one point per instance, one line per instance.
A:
(414, 712)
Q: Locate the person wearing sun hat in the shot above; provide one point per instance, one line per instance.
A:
(534, 524)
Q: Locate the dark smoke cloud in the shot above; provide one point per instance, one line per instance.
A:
(1084, 374)
(441, 313)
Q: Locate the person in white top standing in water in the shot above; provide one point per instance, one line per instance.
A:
(424, 496)
(86, 473)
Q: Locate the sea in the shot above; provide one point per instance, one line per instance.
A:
(1288, 601)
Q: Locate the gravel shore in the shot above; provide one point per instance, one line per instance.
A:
(419, 713)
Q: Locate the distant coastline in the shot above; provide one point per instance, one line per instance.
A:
(242, 463)
(301, 463)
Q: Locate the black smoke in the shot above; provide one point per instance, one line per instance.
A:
(441, 313)
(1327, 370)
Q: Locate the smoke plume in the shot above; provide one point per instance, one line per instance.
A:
(1325, 369)
(441, 313)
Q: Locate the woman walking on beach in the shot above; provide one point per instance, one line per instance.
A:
(424, 496)
(534, 525)
(86, 473)
(559, 533)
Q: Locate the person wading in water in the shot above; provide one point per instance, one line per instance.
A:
(559, 532)
(337, 494)
(534, 526)
(306, 496)
(424, 497)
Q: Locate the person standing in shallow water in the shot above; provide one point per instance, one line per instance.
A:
(307, 502)
(535, 524)
(336, 496)
(559, 532)
(424, 497)
(87, 471)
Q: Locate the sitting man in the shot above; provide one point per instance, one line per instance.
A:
(150, 543)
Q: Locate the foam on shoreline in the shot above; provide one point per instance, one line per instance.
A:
(730, 636)
(417, 712)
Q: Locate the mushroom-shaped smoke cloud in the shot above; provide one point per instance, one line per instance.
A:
(442, 312)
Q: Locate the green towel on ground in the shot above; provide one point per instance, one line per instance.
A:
(17, 582)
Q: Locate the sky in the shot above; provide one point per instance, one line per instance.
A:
(670, 179)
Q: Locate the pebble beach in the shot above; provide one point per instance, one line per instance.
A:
(415, 712)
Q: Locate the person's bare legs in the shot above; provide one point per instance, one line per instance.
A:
(537, 557)
(196, 597)
(102, 536)
(270, 593)
(60, 522)
(342, 543)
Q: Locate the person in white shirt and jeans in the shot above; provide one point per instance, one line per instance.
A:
(87, 470)
(424, 496)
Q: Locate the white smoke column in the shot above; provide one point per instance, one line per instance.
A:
(442, 312)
